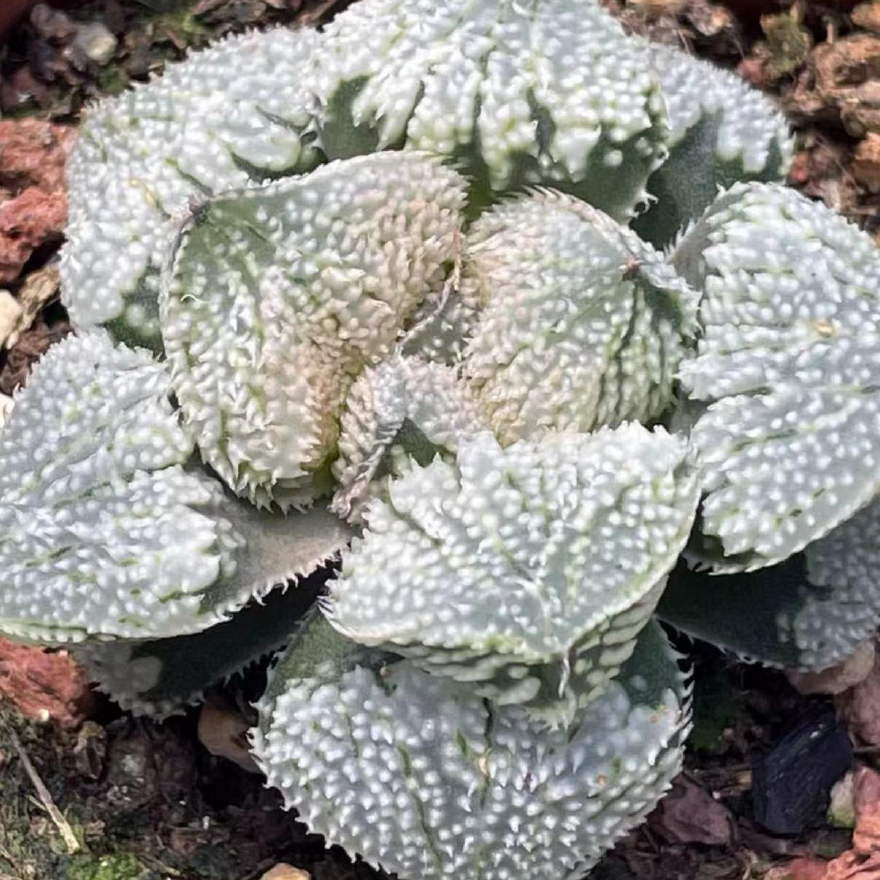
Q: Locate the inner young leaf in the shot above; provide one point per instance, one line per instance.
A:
(581, 324)
(278, 297)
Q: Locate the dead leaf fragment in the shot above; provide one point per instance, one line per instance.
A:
(866, 163)
(224, 733)
(10, 313)
(847, 75)
(689, 814)
(29, 348)
(52, 24)
(860, 708)
(867, 16)
(90, 750)
(806, 868)
(866, 800)
(38, 290)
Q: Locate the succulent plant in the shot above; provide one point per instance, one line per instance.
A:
(581, 324)
(397, 304)
(231, 114)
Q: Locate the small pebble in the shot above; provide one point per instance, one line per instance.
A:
(283, 871)
(10, 311)
(5, 409)
(96, 42)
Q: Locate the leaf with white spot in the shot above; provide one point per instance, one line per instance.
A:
(424, 778)
(277, 299)
(231, 114)
(161, 676)
(787, 371)
(444, 322)
(722, 132)
(581, 323)
(810, 612)
(403, 410)
(106, 530)
(516, 93)
(528, 571)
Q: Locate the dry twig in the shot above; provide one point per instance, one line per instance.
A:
(46, 801)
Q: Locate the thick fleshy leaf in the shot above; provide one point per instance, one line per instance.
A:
(278, 297)
(106, 530)
(444, 322)
(161, 676)
(424, 778)
(722, 132)
(845, 568)
(518, 93)
(403, 410)
(522, 569)
(582, 324)
(810, 612)
(788, 371)
(233, 113)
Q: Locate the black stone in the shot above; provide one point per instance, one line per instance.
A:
(791, 782)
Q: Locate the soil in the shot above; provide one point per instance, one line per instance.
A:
(117, 798)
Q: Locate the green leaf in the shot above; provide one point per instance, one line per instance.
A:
(787, 372)
(722, 132)
(404, 410)
(810, 612)
(515, 93)
(161, 676)
(422, 777)
(106, 529)
(581, 324)
(527, 571)
(232, 114)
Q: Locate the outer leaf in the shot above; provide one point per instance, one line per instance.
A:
(582, 324)
(810, 612)
(233, 113)
(279, 297)
(516, 569)
(520, 93)
(788, 371)
(104, 532)
(159, 677)
(403, 410)
(425, 779)
(846, 610)
(723, 132)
